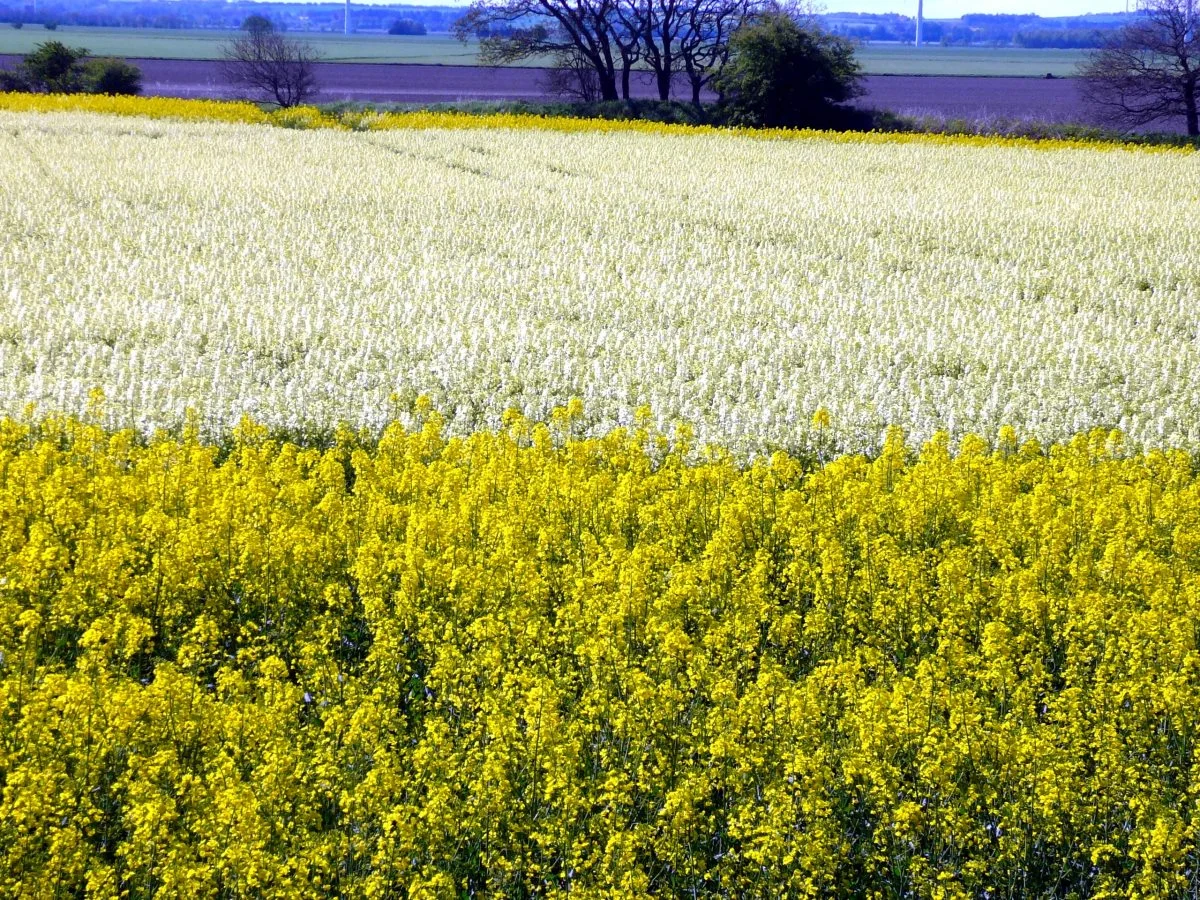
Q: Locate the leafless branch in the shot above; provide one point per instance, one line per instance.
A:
(1148, 71)
(275, 69)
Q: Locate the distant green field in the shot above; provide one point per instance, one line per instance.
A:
(155, 43)
(440, 49)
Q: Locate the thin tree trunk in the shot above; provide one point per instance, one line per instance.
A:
(625, 79)
(1193, 115)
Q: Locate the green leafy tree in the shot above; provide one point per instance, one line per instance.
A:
(54, 67)
(785, 74)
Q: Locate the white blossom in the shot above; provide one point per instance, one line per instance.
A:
(308, 278)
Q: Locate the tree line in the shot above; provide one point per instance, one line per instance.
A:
(766, 64)
(980, 29)
(227, 15)
(598, 44)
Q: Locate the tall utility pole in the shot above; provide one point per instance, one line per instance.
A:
(920, 19)
(346, 26)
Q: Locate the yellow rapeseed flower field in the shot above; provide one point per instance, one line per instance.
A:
(527, 663)
(302, 630)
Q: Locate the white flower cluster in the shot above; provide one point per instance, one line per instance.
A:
(308, 278)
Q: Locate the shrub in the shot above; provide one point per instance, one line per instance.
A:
(55, 68)
(112, 76)
(12, 81)
(783, 74)
(50, 26)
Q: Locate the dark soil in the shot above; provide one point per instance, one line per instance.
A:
(976, 97)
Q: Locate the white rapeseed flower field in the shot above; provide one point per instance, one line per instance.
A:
(308, 278)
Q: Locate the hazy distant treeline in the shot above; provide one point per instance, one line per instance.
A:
(980, 28)
(976, 28)
(208, 14)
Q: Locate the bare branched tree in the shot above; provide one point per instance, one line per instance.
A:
(627, 39)
(275, 69)
(669, 38)
(1149, 70)
(661, 24)
(704, 42)
(573, 78)
(582, 27)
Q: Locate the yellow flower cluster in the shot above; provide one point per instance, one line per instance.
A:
(146, 107)
(369, 120)
(529, 663)
(451, 119)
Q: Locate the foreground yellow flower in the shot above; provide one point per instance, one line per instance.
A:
(524, 663)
